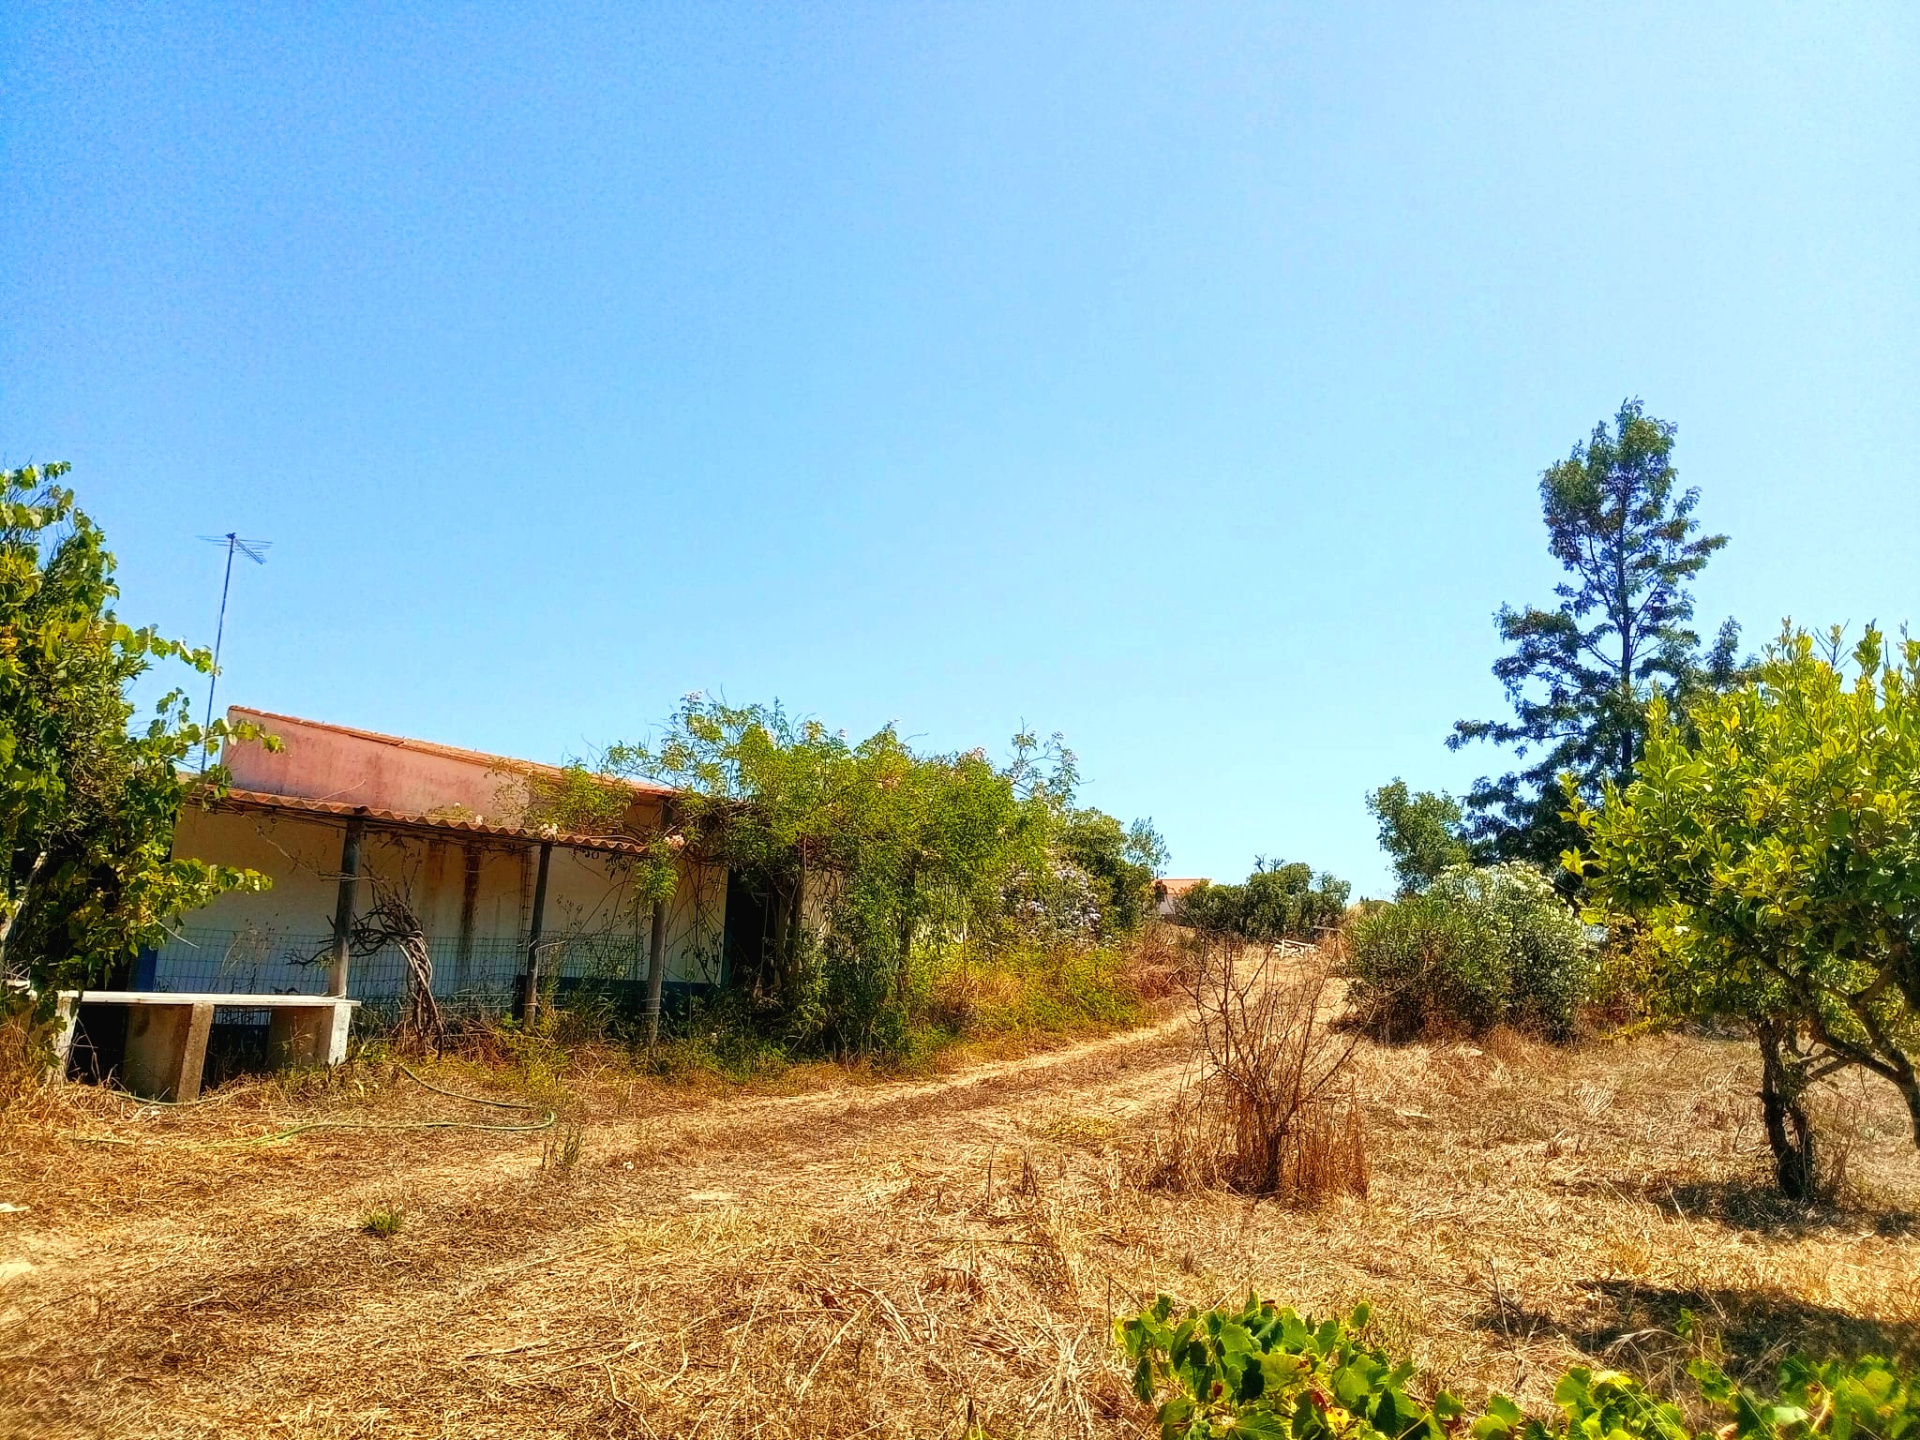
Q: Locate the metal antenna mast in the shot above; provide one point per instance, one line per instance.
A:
(256, 551)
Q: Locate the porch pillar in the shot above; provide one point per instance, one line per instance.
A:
(656, 969)
(531, 1008)
(343, 906)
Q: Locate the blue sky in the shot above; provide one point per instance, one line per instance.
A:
(1178, 378)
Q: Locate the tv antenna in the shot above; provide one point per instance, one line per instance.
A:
(256, 551)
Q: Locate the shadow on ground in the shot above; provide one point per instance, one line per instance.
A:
(1638, 1325)
(1745, 1203)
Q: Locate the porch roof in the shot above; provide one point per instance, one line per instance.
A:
(260, 801)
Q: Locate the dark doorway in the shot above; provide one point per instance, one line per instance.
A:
(749, 924)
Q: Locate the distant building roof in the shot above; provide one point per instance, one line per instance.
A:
(1179, 887)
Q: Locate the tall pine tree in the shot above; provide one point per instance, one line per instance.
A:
(1580, 676)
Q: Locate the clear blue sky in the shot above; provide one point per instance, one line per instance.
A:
(1178, 378)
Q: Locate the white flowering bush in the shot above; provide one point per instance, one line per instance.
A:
(1478, 948)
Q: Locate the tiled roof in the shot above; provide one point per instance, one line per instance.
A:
(258, 800)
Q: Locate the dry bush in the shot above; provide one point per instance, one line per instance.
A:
(1158, 961)
(1268, 1106)
(26, 1051)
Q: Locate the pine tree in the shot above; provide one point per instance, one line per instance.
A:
(1580, 676)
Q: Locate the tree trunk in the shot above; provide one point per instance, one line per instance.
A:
(1789, 1131)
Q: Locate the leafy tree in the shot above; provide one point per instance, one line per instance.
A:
(1773, 845)
(877, 862)
(1279, 901)
(1580, 677)
(87, 807)
(1423, 833)
(1122, 861)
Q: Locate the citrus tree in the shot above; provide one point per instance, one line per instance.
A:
(87, 803)
(1772, 844)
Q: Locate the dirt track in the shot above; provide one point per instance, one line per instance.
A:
(160, 1289)
(902, 1258)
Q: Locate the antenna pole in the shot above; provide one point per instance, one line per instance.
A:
(219, 634)
(254, 550)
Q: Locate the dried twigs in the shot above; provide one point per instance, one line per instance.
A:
(1268, 1107)
(391, 921)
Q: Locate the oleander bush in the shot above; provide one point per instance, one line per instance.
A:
(1478, 948)
(1263, 1372)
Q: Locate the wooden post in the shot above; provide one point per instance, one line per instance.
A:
(469, 906)
(656, 969)
(531, 1010)
(343, 907)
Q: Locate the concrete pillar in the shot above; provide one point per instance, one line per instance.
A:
(343, 906)
(656, 969)
(531, 1009)
(65, 1018)
(166, 1049)
(300, 1036)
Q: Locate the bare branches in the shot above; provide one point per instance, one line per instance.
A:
(1271, 1110)
(390, 920)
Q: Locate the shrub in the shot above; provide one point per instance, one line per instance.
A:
(1271, 1110)
(1049, 990)
(1264, 1372)
(1278, 902)
(1478, 948)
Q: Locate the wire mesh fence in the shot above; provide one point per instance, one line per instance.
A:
(481, 975)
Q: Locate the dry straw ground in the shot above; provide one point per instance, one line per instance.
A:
(902, 1258)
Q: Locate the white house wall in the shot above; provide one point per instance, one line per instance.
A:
(267, 934)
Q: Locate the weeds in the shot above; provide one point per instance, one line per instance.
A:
(1263, 1371)
(383, 1222)
(560, 1151)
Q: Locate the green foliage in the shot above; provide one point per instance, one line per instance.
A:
(1580, 677)
(1424, 834)
(87, 806)
(1279, 901)
(1121, 861)
(1772, 845)
(1262, 1371)
(1477, 948)
(883, 869)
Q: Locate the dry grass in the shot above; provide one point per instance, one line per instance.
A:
(904, 1258)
